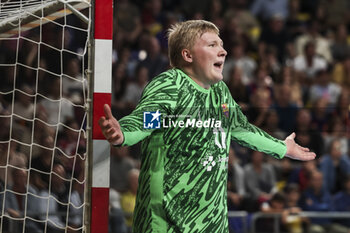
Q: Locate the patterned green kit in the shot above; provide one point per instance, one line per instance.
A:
(182, 184)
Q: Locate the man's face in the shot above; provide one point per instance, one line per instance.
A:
(208, 57)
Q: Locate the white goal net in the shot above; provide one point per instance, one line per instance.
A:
(43, 117)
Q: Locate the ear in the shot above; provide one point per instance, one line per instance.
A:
(186, 55)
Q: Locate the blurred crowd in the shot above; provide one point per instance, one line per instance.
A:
(288, 67)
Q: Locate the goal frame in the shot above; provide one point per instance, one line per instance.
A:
(101, 84)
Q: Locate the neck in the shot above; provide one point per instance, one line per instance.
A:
(195, 78)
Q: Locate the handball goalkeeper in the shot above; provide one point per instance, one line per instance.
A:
(186, 120)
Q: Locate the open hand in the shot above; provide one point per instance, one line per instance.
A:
(295, 151)
(110, 127)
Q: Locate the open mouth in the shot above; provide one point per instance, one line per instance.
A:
(219, 65)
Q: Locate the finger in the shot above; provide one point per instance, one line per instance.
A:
(114, 137)
(107, 111)
(101, 120)
(104, 125)
(109, 131)
(303, 148)
(291, 136)
(309, 156)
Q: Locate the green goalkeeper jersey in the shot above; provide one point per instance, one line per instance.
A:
(186, 132)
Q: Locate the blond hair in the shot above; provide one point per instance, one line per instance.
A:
(183, 35)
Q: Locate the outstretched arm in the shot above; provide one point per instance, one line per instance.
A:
(295, 151)
(110, 127)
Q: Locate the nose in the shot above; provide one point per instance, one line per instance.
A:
(222, 52)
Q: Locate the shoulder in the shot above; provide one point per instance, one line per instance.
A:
(221, 87)
(162, 82)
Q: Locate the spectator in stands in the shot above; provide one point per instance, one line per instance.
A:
(293, 222)
(152, 16)
(214, 12)
(308, 63)
(134, 89)
(76, 205)
(274, 205)
(288, 77)
(73, 81)
(42, 163)
(307, 132)
(7, 80)
(9, 155)
(260, 105)
(262, 80)
(42, 130)
(235, 183)
(274, 35)
(270, 124)
(116, 214)
(246, 21)
(15, 196)
(335, 12)
(340, 47)
(54, 108)
(321, 45)
(70, 137)
(321, 114)
(334, 166)
(128, 20)
(301, 174)
(260, 178)
(283, 170)
(324, 88)
(119, 82)
(296, 21)
(59, 183)
(264, 10)
(128, 198)
(34, 199)
(236, 194)
(24, 103)
(337, 132)
(16, 204)
(342, 201)
(286, 110)
(270, 60)
(48, 204)
(122, 164)
(341, 73)
(239, 59)
(341, 110)
(317, 198)
(237, 89)
(231, 33)
(156, 62)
